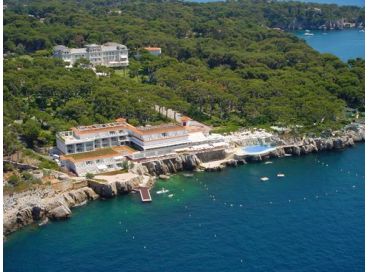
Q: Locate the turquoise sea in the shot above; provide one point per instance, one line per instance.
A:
(311, 220)
(346, 44)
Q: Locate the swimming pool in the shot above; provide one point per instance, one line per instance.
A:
(257, 149)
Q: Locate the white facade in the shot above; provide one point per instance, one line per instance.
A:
(95, 166)
(90, 138)
(70, 142)
(108, 54)
(116, 137)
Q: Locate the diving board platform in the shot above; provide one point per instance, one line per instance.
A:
(145, 194)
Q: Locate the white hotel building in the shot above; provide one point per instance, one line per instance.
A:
(104, 147)
(109, 54)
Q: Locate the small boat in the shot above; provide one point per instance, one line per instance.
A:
(308, 34)
(170, 195)
(280, 175)
(264, 178)
(163, 191)
(268, 162)
(287, 155)
(188, 175)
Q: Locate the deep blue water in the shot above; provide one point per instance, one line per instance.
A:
(311, 220)
(345, 44)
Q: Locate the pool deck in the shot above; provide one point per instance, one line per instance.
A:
(243, 152)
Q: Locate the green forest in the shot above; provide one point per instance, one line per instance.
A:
(225, 64)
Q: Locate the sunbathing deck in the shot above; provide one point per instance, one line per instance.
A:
(254, 150)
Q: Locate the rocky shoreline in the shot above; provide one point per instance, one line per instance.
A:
(43, 204)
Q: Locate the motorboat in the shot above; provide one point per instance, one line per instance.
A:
(280, 175)
(308, 34)
(170, 195)
(163, 191)
(268, 162)
(264, 178)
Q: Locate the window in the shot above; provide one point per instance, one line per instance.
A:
(89, 162)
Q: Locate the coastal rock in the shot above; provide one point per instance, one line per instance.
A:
(111, 189)
(338, 143)
(296, 150)
(103, 189)
(60, 212)
(27, 207)
(164, 177)
(231, 163)
(173, 165)
(217, 168)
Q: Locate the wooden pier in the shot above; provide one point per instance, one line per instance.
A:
(145, 194)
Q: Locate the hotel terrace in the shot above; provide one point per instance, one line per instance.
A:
(104, 147)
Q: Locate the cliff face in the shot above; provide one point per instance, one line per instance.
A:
(173, 165)
(41, 204)
(111, 189)
(32, 206)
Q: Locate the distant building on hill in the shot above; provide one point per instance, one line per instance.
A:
(109, 54)
(156, 51)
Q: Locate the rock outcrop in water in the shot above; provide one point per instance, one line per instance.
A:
(111, 189)
(32, 206)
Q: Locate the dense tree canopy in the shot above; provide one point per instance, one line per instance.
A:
(222, 63)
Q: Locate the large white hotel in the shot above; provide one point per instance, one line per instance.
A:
(109, 54)
(104, 147)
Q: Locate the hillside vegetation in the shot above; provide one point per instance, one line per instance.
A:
(222, 63)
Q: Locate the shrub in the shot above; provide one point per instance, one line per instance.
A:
(89, 175)
(14, 180)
